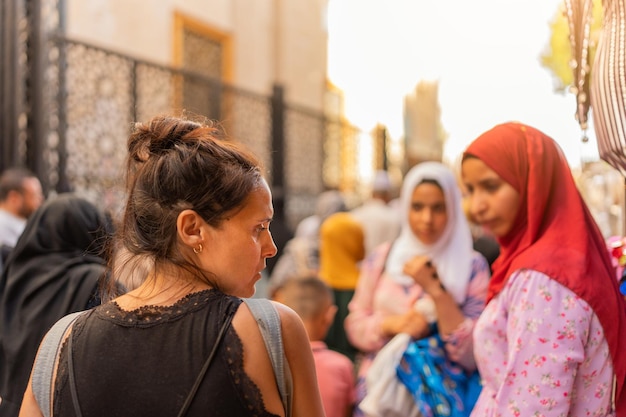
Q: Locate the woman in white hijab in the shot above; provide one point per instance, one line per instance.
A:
(428, 278)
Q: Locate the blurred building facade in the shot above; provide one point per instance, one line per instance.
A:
(76, 74)
(251, 44)
(423, 131)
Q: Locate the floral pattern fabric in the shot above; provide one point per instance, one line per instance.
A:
(541, 352)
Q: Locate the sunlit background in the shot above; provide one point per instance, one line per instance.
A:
(485, 54)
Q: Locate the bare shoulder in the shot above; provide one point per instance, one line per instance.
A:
(289, 319)
(286, 314)
(291, 324)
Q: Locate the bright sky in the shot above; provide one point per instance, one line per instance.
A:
(485, 54)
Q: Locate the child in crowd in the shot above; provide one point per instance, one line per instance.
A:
(313, 300)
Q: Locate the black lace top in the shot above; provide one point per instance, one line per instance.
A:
(144, 362)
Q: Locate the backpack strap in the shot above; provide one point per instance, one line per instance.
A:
(268, 320)
(43, 368)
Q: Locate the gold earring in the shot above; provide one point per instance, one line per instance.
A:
(198, 249)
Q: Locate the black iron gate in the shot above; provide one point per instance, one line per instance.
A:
(24, 29)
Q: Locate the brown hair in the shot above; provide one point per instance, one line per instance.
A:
(176, 164)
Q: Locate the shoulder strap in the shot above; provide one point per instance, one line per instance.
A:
(269, 323)
(43, 369)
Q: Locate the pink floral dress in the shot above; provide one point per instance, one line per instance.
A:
(541, 352)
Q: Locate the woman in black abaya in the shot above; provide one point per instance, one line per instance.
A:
(53, 270)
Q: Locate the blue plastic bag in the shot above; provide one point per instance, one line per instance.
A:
(440, 387)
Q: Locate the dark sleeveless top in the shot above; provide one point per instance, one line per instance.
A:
(144, 362)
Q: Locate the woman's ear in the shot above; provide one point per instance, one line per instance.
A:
(189, 228)
(329, 316)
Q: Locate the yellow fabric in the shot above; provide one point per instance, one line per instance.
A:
(342, 247)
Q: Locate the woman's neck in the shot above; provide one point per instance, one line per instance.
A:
(161, 289)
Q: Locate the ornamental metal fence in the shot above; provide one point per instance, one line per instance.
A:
(68, 108)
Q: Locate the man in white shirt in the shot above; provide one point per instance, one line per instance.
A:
(20, 196)
(380, 222)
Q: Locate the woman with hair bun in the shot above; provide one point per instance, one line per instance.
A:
(199, 210)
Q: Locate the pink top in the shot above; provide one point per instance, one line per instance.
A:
(541, 351)
(335, 377)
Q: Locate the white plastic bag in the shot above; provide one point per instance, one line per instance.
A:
(386, 395)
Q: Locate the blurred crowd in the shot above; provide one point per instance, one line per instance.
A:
(492, 295)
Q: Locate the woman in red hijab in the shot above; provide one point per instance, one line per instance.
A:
(547, 344)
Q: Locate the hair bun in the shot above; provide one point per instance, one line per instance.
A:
(169, 138)
(159, 146)
(158, 137)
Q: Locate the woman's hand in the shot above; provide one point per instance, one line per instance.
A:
(424, 273)
(411, 322)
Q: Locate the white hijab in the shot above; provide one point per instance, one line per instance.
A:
(452, 253)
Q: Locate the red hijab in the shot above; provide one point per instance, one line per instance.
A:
(554, 232)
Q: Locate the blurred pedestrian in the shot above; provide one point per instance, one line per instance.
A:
(342, 248)
(20, 196)
(313, 300)
(54, 270)
(379, 220)
(427, 280)
(327, 203)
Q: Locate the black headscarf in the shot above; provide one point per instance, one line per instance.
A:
(53, 270)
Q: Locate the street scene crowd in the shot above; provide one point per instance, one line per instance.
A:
(485, 289)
